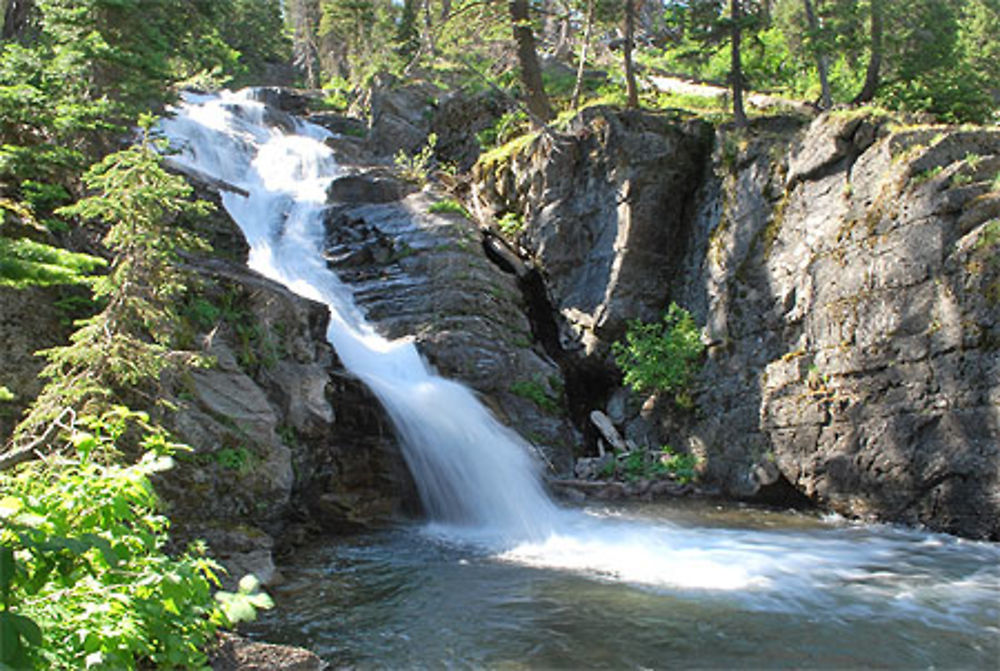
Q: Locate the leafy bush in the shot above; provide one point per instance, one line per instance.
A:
(642, 464)
(661, 356)
(84, 577)
(511, 224)
(416, 167)
(536, 392)
(680, 466)
(509, 126)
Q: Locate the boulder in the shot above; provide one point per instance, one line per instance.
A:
(235, 653)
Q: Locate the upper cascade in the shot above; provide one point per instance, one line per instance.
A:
(470, 470)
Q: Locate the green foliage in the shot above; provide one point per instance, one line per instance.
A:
(511, 224)
(84, 576)
(24, 262)
(506, 128)
(538, 393)
(644, 464)
(337, 92)
(126, 343)
(449, 206)
(238, 459)
(661, 356)
(416, 168)
(989, 235)
(681, 467)
(6, 395)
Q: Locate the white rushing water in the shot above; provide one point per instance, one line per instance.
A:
(475, 476)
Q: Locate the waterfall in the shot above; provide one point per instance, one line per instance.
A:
(470, 470)
(476, 477)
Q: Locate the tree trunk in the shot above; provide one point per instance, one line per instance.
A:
(15, 17)
(736, 64)
(578, 88)
(867, 93)
(563, 48)
(822, 59)
(531, 71)
(631, 90)
(305, 23)
(428, 37)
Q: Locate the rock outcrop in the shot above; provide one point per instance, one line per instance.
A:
(848, 279)
(424, 274)
(845, 270)
(604, 207)
(285, 443)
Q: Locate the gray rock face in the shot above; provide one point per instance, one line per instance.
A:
(604, 210)
(284, 441)
(425, 275)
(848, 280)
(400, 116)
(854, 324)
(456, 121)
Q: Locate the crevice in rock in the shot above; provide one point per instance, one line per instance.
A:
(587, 382)
(783, 494)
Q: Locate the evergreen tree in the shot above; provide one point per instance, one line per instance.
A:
(126, 344)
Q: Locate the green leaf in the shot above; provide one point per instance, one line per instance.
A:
(249, 583)
(7, 569)
(27, 628)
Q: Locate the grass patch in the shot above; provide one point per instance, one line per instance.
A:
(449, 206)
(507, 151)
(536, 392)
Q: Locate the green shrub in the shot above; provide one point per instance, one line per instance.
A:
(661, 356)
(85, 580)
(643, 464)
(416, 167)
(680, 466)
(506, 128)
(511, 224)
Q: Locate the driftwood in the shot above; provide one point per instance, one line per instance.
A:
(30, 452)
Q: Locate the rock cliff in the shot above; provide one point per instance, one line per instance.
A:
(846, 271)
(285, 443)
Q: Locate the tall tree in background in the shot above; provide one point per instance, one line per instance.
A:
(874, 69)
(303, 16)
(584, 46)
(527, 58)
(736, 62)
(631, 90)
(818, 47)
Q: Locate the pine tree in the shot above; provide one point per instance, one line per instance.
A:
(125, 345)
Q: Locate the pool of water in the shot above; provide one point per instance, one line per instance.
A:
(699, 586)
